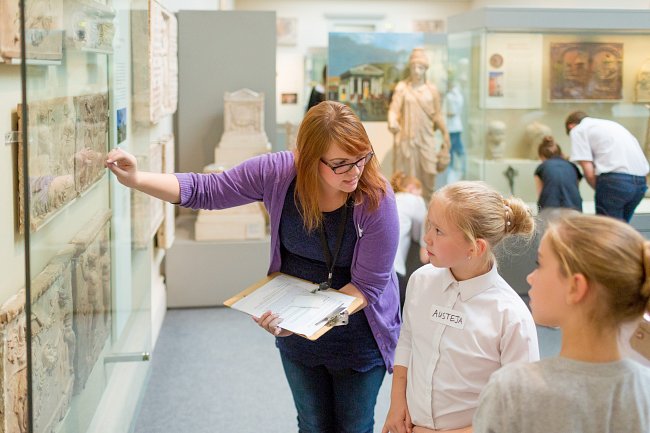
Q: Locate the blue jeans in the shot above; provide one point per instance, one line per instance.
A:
(333, 401)
(618, 194)
(457, 152)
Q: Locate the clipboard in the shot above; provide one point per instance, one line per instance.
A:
(327, 319)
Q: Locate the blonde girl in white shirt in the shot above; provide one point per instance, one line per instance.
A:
(462, 321)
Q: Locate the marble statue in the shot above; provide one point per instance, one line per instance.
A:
(533, 136)
(496, 139)
(414, 115)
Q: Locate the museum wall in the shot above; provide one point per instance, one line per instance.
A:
(219, 53)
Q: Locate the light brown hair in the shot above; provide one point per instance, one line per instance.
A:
(574, 119)
(480, 212)
(332, 124)
(549, 148)
(400, 181)
(612, 256)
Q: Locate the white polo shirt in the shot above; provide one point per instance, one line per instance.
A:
(454, 336)
(412, 212)
(611, 147)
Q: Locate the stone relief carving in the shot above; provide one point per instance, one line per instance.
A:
(166, 232)
(91, 294)
(68, 144)
(43, 29)
(51, 159)
(146, 211)
(91, 139)
(244, 112)
(53, 342)
(155, 89)
(13, 417)
(244, 135)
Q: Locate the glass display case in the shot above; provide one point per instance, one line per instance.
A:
(523, 70)
(76, 300)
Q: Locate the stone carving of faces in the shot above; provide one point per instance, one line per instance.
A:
(496, 135)
(575, 64)
(605, 65)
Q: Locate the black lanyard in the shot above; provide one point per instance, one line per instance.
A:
(330, 260)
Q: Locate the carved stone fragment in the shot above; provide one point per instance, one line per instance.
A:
(53, 342)
(91, 294)
(91, 139)
(43, 29)
(51, 159)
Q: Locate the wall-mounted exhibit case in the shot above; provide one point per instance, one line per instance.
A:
(75, 300)
(523, 70)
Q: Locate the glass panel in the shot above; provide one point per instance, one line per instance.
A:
(520, 85)
(90, 277)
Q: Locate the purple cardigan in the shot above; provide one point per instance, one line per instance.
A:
(267, 178)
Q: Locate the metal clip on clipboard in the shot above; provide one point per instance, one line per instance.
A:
(339, 317)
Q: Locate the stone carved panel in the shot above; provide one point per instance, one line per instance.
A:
(44, 29)
(244, 112)
(51, 159)
(91, 139)
(166, 232)
(53, 343)
(91, 294)
(14, 417)
(155, 64)
(146, 211)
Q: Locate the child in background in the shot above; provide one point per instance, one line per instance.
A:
(556, 178)
(586, 284)
(462, 321)
(412, 211)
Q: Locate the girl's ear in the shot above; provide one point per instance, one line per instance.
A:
(578, 290)
(481, 246)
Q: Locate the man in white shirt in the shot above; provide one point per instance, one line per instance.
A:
(612, 162)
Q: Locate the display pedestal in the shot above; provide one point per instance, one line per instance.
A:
(206, 273)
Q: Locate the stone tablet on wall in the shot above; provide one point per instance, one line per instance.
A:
(53, 342)
(51, 160)
(91, 139)
(155, 63)
(91, 294)
(43, 29)
(14, 416)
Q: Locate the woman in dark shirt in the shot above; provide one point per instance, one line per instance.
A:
(556, 178)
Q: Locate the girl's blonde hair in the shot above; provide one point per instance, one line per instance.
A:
(400, 181)
(326, 124)
(480, 212)
(612, 256)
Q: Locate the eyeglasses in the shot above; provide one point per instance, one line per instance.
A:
(344, 168)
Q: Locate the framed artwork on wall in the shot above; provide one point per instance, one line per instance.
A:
(586, 71)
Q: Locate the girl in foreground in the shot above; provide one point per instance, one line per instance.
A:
(593, 274)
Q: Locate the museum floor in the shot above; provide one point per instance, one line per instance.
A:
(213, 370)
